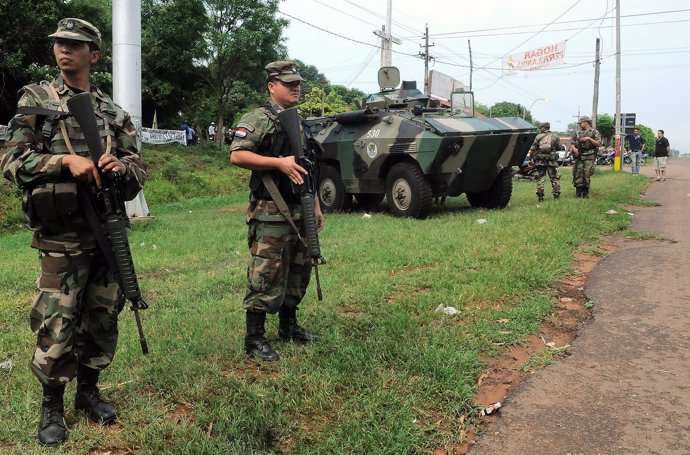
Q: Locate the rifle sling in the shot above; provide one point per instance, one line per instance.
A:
(280, 203)
(97, 228)
(41, 111)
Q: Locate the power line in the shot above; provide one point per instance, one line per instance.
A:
(341, 36)
(554, 23)
(564, 29)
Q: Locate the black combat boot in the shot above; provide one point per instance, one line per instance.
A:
(540, 197)
(585, 192)
(578, 192)
(255, 345)
(52, 430)
(90, 400)
(556, 196)
(290, 330)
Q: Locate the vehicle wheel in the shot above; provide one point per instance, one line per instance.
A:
(496, 197)
(408, 191)
(627, 160)
(332, 196)
(643, 161)
(369, 201)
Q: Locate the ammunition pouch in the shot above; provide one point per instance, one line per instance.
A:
(53, 208)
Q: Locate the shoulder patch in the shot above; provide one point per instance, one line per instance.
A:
(246, 126)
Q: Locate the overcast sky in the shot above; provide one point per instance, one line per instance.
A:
(655, 52)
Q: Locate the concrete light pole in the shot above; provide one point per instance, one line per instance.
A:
(127, 75)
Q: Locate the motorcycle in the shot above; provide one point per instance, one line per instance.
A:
(605, 158)
(627, 159)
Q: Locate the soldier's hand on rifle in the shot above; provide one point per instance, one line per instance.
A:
(289, 167)
(82, 169)
(109, 163)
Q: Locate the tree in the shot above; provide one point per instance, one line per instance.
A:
(171, 32)
(318, 104)
(508, 109)
(241, 37)
(351, 96)
(606, 127)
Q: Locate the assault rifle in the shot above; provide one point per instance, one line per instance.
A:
(289, 119)
(109, 203)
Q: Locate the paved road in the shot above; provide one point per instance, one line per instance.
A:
(626, 387)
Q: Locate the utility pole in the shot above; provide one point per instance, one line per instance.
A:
(469, 46)
(595, 102)
(425, 55)
(617, 159)
(386, 37)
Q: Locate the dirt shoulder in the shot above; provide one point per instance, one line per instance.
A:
(624, 388)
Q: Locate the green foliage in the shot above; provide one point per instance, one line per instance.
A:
(241, 37)
(171, 41)
(606, 127)
(508, 109)
(317, 103)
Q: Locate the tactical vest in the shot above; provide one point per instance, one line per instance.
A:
(53, 207)
(275, 145)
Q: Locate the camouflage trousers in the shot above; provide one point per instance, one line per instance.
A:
(74, 315)
(540, 172)
(583, 168)
(279, 269)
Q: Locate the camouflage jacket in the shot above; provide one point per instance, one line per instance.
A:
(258, 131)
(33, 154)
(586, 148)
(545, 148)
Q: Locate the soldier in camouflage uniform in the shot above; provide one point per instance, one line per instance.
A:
(544, 152)
(279, 269)
(75, 312)
(584, 146)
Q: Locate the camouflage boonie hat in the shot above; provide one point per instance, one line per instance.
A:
(283, 70)
(585, 119)
(546, 125)
(78, 30)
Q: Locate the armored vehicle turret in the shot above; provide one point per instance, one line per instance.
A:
(399, 148)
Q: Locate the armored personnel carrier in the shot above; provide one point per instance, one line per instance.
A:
(399, 148)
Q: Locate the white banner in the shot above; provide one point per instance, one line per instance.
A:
(152, 136)
(535, 59)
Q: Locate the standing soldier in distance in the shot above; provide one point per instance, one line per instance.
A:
(584, 147)
(279, 269)
(75, 313)
(544, 152)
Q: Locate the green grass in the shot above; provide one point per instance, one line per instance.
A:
(388, 369)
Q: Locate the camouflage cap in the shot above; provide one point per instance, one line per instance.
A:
(78, 30)
(546, 125)
(585, 119)
(283, 70)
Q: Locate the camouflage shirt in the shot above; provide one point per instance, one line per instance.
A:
(545, 148)
(257, 132)
(30, 160)
(586, 148)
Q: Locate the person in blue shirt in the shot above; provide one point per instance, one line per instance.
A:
(636, 148)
